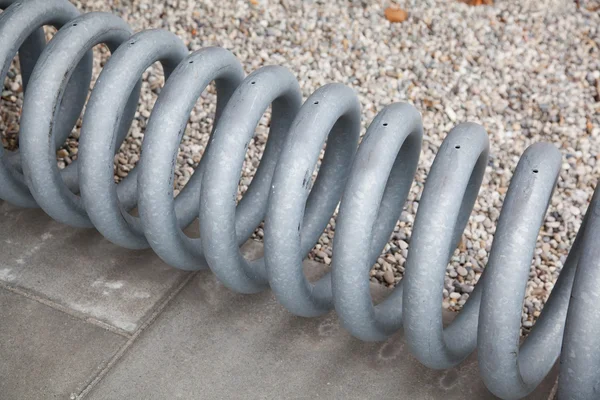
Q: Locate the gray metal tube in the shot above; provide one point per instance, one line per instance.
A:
(507, 372)
(580, 358)
(297, 215)
(108, 204)
(223, 226)
(19, 26)
(162, 217)
(53, 189)
(376, 190)
(373, 183)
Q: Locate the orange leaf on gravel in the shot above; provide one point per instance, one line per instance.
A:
(478, 2)
(396, 14)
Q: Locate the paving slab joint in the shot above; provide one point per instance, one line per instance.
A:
(59, 307)
(97, 378)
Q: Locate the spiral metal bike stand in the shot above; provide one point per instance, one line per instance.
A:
(372, 181)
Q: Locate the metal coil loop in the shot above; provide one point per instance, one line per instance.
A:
(372, 180)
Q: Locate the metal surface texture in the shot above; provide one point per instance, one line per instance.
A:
(371, 180)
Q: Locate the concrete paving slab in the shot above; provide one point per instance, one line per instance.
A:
(211, 343)
(45, 353)
(81, 270)
(208, 342)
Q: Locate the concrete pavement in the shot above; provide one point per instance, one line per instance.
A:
(83, 318)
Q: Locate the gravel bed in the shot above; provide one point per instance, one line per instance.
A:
(528, 71)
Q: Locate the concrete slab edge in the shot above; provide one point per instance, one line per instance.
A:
(96, 378)
(32, 295)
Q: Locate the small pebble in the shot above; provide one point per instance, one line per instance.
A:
(389, 277)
